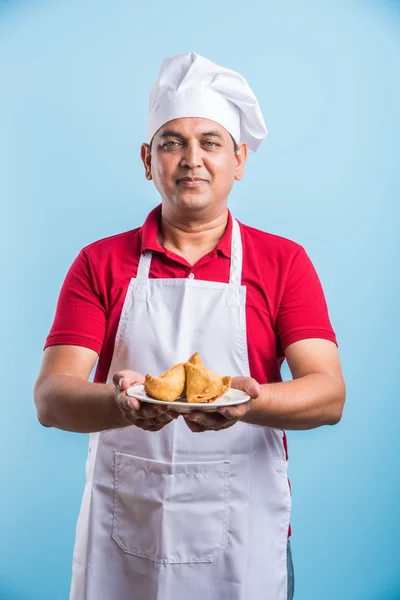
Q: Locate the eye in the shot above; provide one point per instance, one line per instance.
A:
(170, 144)
(210, 144)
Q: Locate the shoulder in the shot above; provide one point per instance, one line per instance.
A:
(263, 242)
(115, 246)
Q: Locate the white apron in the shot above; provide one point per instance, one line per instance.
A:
(176, 515)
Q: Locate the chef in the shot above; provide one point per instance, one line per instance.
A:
(194, 506)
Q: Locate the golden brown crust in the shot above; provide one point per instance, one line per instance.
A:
(192, 378)
(169, 386)
(196, 360)
(203, 385)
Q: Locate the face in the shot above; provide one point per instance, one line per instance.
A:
(193, 163)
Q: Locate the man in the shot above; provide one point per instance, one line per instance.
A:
(168, 514)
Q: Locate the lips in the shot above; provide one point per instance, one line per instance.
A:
(190, 180)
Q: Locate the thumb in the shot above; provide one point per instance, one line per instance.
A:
(248, 385)
(126, 378)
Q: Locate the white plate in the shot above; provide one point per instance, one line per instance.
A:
(231, 398)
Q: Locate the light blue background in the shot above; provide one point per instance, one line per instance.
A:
(74, 84)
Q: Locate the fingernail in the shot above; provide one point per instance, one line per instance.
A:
(120, 382)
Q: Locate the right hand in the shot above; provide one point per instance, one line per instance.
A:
(151, 417)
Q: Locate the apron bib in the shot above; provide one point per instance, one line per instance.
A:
(172, 515)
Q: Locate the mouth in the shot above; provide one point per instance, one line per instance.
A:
(190, 181)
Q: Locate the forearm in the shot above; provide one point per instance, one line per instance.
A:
(304, 403)
(73, 404)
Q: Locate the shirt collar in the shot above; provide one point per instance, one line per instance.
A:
(150, 227)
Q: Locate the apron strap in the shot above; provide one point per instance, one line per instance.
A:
(142, 277)
(235, 277)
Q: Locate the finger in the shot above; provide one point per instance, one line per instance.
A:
(149, 411)
(153, 424)
(131, 416)
(207, 420)
(194, 427)
(126, 378)
(150, 426)
(248, 385)
(162, 419)
(173, 414)
(233, 412)
(199, 428)
(253, 390)
(129, 403)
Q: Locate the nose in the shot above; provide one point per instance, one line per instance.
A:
(192, 156)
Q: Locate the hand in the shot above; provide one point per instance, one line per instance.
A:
(151, 417)
(225, 416)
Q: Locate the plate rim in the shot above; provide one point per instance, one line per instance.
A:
(181, 404)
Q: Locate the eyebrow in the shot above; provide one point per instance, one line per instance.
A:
(171, 133)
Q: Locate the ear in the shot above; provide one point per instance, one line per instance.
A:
(145, 155)
(241, 157)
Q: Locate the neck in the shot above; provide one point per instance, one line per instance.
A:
(191, 237)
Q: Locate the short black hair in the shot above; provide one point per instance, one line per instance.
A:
(235, 146)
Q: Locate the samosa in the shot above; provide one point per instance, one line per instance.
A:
(169, 386)
(196, 360)
(203, 385)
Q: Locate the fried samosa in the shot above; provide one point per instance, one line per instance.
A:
(169, 386)
(203, 385)
(196, 360)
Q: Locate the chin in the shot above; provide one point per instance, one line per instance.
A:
(193, 202)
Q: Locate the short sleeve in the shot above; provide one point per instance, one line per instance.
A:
(303, 311)
(80, 317)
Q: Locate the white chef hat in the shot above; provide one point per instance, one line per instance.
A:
(189, 85)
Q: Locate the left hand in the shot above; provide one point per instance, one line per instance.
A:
(225, 417)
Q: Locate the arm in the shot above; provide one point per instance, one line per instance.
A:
(314, 397)
(317, 393)
(65, 398)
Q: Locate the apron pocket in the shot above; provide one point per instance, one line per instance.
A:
(170, 513)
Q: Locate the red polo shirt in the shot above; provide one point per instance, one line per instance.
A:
(284, 302)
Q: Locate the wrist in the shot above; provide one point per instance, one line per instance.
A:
(257, 413)
(115, 414)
